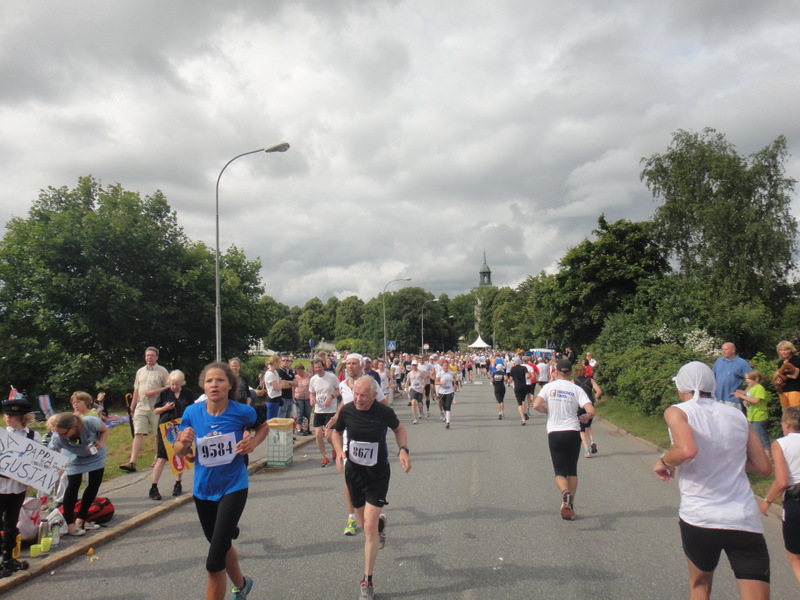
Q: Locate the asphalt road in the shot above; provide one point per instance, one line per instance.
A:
(477, 517)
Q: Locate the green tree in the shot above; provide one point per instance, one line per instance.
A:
(596, 278)
(348, 318)
(93, 275)
(283, 336)
(726, 219)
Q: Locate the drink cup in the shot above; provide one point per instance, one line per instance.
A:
(36, 550)
(46, 544)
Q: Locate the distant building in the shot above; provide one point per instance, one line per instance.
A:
(485, 274)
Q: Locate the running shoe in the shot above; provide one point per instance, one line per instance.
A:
(154, 494)
(366, 593)
(587, 454)
(500, 416)
(447, 425)
(351, 526)
(177, 489)
(77, 532)
(523, 423)
(429, 414)
(241, 593)
(382, 531)
(594, 448)
(414, 422)
(14, 565)
(89, 526)
(567, 511)
(325, 461)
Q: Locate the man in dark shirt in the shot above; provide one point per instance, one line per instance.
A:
(519, 375)
(286, 373)
(367, 469)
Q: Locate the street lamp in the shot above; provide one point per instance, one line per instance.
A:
(283, 147)
(383, 297)
(422, 327)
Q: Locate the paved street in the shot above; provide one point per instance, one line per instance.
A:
(477, 517)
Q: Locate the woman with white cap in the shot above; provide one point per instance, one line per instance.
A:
(714, 446)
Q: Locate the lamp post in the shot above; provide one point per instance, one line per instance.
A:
(283, 147)
(422, 327)
(383, 298)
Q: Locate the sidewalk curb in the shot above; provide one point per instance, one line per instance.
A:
(109, 534)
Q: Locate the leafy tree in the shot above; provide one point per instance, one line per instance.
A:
(596, 279)
(726, 219)
(348, 318)
(283, 336)
(93, 275)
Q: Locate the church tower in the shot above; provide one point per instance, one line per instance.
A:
(485, 274)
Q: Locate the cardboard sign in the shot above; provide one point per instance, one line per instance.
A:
(169, 433)
(29, 462)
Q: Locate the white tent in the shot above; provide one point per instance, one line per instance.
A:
(479, 343)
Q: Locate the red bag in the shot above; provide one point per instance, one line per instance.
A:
(100, 511)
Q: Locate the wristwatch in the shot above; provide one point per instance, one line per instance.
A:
(403, 448)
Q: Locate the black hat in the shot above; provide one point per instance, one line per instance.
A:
(16, 407)
(564, 366)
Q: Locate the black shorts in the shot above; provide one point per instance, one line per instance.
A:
(791, 525)
(520, 395)
(367, 484)
(427, 389)
(747, 551)
(447, 401)
(415, 395)
(500, 393)
(321, 419)
(565, 449)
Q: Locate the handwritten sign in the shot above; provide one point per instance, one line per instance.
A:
(169, 434)
(29, 462)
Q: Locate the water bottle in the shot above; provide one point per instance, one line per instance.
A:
(55, 535)
(44, 531)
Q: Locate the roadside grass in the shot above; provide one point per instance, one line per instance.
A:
(654, 429)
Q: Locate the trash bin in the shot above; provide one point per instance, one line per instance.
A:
(280, 445)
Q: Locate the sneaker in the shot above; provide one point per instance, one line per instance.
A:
(500, 417)
(366, 593)
(414, 422)
(567, 511)
(594, 448)
(89, 526)
(350, 529)
(325, 461)
(129, 467)
(77, 532)
(177, 489)
(14, 565)
(5, 572)
(154, 494)
(429, 414)
(241, 593)
(587, 454)
(523, 423)
(527, 416)
(382, 531)
(447, 425)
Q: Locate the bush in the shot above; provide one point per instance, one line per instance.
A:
(642, 378)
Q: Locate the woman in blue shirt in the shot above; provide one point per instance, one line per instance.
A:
(217, 427)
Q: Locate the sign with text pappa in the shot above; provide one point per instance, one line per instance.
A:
(29, 462)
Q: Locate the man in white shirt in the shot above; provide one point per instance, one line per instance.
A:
(323, 388)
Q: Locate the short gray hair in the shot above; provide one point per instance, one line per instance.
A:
(373, 385)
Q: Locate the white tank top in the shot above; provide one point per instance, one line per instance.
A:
(715, 491)
(790, 445)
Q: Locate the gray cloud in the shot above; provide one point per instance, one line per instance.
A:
(422, 133)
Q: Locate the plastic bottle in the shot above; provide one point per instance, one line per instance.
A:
(55, 535)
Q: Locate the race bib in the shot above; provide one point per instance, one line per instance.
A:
(215, 450)
(363, 453)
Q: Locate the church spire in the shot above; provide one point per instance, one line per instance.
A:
(485, 273)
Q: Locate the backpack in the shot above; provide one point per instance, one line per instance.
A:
(100, 511)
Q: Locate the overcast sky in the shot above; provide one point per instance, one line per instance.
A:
(422, 132)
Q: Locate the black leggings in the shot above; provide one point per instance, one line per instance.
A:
(10, 504)
(220, 522)
(95, 478)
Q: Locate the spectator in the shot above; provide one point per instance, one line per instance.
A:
(169, 406)
(786, 378)
(729, 371)
(302, 400)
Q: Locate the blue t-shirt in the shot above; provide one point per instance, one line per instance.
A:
(81, 458)
(212, 483)
(730, 375)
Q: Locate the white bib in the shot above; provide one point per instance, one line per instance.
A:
(363, 453)
(215, 450)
